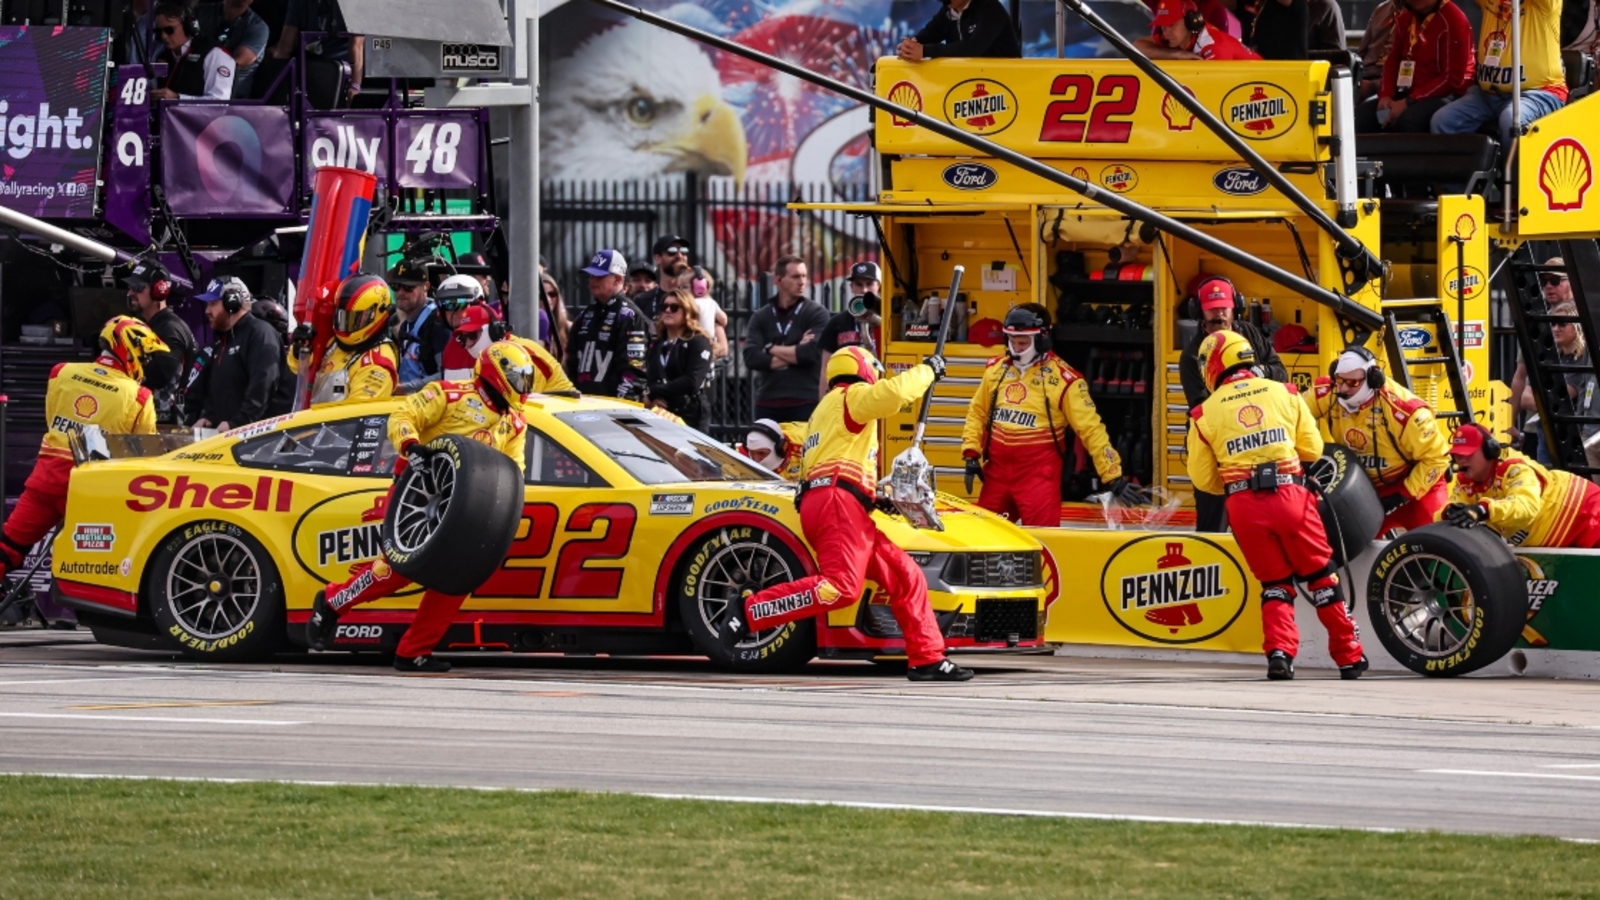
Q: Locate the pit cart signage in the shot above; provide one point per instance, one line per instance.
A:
(227, 160)
(1556, 175)
(982, 106)
(52, 108)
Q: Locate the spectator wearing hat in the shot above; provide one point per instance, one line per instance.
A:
(1429, 66)
(165, 371)
(671, 255)
(606, 349)
(247, 361)
(1181, 32)
(641, 280)
(970, 28)
(781, 346)
(423, 333)
(861, 322)
(485, 279)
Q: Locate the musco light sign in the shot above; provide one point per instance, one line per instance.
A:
(1172, 590)
(469, 58)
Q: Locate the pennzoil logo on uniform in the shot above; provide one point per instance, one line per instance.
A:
(981, 106)
(1259, 111)
(1173, 590)
(1119, 178)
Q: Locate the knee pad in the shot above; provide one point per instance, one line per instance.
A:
(1277, 592)
(1325, 590)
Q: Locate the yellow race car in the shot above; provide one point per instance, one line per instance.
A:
(634, 532)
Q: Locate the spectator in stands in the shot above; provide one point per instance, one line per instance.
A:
(248, 359)
(1429, 66)
(973, 28)
(1277, 29)
(1181, 32)
(1374, 47)
(1214, 12)
(423, 333)
(138, 44)
(165, 371)
(641, 280)
(781, 347)
(321, 17)
(1557, 290)
(678, 365)
(610, 337)
(1544, 86)
(237, 28)
(1327, 26)
(713, 321)
(196, 67)
(554, 310)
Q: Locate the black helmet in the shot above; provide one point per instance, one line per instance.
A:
(1030, 318)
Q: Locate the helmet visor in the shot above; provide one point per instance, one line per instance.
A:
(520, 378)
(347, 321)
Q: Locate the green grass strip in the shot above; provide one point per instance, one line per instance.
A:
(71, 838)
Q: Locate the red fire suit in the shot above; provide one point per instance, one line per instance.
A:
(1531, 506)
(438, 408)
(1400, 444)
(98, 393)
(839, 478)
(1247, 422)
(1017, 424)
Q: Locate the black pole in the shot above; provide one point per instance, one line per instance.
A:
(1340, 304)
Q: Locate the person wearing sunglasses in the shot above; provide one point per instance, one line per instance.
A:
(197, 67)
(474, 334)
(678, 364)
(456, 296)
(610, 337)
(554, 325)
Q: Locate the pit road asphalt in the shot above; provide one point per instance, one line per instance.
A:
(1032, 734)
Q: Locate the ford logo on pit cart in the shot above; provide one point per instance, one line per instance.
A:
(970, 176)
(1414, 338)
(1240, 182)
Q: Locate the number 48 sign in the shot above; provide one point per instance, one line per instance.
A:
(437, 150)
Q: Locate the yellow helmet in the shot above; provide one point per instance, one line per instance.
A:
(504, 374)
(854, 363)
(361, 309)
(130, 342)
(1223, 353)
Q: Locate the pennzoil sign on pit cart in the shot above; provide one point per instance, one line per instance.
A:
(469, 58)
(1259, 111)
(1174, 590)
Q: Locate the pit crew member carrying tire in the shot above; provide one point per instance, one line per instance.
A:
(777, 446)
(836, 498)
(488, 410)
(106, 393)
(361, 364)
(1522, 501)
(1392, 431)
(1248, 441)
(1015, 437)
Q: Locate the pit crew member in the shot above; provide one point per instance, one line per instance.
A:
(606, 347)
(149, 293)
(489, 409)
(836, 499)
(1522, 501)
(1248, 441)
(777, 447)
(247, 360)
(473, 335)
(1183, 33)
(106, 393)
(1015, 438)
(360, 363)
(1400, 444)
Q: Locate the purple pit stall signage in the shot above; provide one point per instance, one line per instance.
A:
(52, 107)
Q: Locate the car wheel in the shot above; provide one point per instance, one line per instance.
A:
(1447, 600)
(215, 593)
(450, 524)
(714, 573)
(1349, 504)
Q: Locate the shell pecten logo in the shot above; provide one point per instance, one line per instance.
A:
(1178, 118)
(904, 93)
(1259, 111)
(1174, 590)
(981, 106)
(1565, 175)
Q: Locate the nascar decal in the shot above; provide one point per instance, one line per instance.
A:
(1174, 590)
(981, 106)
(671, 504)
(93, 538)
(1259, 111)
(340, 533)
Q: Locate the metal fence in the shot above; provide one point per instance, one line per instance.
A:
(737, 232)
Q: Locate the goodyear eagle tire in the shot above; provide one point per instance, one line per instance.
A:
(1447, 600)
(214, 593)
(1350, 508)
(448, 528)
(714, 572)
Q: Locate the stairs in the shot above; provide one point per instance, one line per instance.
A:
(1561, 422)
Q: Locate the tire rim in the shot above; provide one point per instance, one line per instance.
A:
(419, 510)
(214, 586)
(732, 570)
(1319, 474)
(1428, 605)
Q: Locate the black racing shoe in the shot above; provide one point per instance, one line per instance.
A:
(736, 627)
(424, 663)
(1280, 666)
(1354, 670)
(943, 670)
(323, 623)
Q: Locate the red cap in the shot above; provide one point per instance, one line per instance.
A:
(1215, 294)
(474, 318)
(1468, 440)
(986, 332)
(1293, 338)
(1171, 11)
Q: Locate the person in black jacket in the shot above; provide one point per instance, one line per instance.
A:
(165, 374)
(780, 346)
(274, 315)
(248, 360)
(606, 350)
(679, 362)
(975, 28)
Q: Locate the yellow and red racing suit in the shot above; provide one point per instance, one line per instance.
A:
(353, 375)
(1531, 506)
(794, 444)
(1400, 445)
(548, 376)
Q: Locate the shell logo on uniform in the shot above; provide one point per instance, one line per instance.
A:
(1355, 439)
(484, 436)
(1251, 415)
(1565, 175)
(1119, 178)
(1016, 392)
(1178, 117)
(1259, 111)
(1174, 590)
(85, 406)
(904, 93)
(981, 106)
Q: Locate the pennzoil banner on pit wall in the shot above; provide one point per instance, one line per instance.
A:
(52, 100)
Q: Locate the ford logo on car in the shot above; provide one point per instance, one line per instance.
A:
(970, 176)
(1414, 338)
(1240, 182)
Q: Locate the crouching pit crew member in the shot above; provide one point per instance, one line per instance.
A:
(1016, 433)
(106, 393)
(1522, 501)
(1248, 442)
(777, 446)
(489, 409)
(361, 363)
(1395, 434)
(836, 498)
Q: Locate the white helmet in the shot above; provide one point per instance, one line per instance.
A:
(459, 287)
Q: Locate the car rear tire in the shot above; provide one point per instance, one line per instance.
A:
(215, 593)
(714, 572)
(449, 528)
(1446, 600)
(1349, 504)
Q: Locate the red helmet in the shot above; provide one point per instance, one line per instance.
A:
(361, 309)
(504, 375)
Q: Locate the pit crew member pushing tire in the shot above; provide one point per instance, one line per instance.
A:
(361, 364)
(106, 393)
(1392, 431)
(1015, 437)
(1248, 441)
(487, 410)
(1522, 501)
(836, 499)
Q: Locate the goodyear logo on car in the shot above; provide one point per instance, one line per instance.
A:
(1259, 111)
(981, 106)
(1174, 590)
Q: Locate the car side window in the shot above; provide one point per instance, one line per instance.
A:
(346, 447)
(549, 463)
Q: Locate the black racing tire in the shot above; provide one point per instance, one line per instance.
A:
(214, 593)
(714, 571)
(1446, 600)
(1349, 504)
(449, 528)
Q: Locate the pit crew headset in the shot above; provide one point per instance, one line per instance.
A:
(155, 275)
(1027, 319)
(767, 431)
(1354, 357)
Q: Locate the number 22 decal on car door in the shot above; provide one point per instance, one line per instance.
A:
(607, 530)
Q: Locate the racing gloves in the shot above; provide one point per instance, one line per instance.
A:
(936, 363)
(1393, 502)
(416, 456)
(974, 471)
(1126, 492)
(1466, 515)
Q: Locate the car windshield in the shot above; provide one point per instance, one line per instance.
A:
(658, 451)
